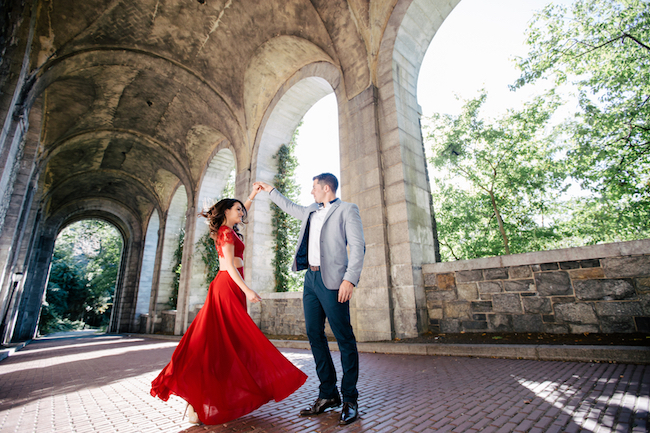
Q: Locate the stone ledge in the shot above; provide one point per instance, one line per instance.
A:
(7, 352)
(616, 249)
(618, 354)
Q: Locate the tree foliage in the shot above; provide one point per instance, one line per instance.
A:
(603, 48)
(85, 265)
(176, 269)
(286, 228)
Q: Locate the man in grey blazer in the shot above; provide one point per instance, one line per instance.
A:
(329, 227)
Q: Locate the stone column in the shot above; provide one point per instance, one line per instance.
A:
(155, 282)
(184, 287)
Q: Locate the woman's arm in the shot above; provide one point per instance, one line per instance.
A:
(249, 201)
(227, 263)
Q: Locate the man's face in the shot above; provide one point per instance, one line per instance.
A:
(318, 192)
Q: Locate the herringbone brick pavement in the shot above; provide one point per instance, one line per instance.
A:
(101, 384)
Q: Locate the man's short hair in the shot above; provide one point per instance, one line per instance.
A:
(328, 179)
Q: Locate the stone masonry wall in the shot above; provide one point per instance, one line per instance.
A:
(282, 314)
(599, 289)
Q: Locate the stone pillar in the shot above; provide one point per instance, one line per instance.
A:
(184, 288)
(155, 281)
(362, 182)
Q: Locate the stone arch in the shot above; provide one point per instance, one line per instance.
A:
(126, 286)
(147, 267)
(214, 180)
(293, 100)
(174, 222)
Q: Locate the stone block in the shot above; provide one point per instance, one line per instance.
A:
(482, 317)
(614, 324)
(450, 326)
(446, 281)
(553, 283)
(519, 286)
(643, 285)
(587, 274)
(535, 268)
(537, 305)
(576, 313)
(549, 266)
(554, 328)
(619, 309)
(516, 272)
(527, 323)
(457, 310)
(603, 290)
(490, 287)
(581, 329)
(435, 313)
(548, 318)
(474, 325)
(469, 276)
(632, 266)
(482, 306)
(591, 263)
(500, 322)
(569, 265)
(467, 291)
(436, 296)
(495, 274)
(506, 303)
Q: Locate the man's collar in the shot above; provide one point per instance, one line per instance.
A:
(322, 205)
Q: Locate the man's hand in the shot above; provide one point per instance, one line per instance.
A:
(345, 291)
(265, 186)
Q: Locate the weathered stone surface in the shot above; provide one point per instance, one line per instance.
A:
(506, 303)
(587, 274)
(436, 296)
(575, 313)
(643, 285)
(450, 326)
(621, 309)
(633, 266)
(519, 286)
(591, 263)
(527, 323)
(490, 287)
(555, 328)
(429, 279)
(612, 324)
(495, 274)
(569, 265)
(435, 313)
(469, 276)
(642, 324)
(500, 322)
(457, 310)
(537, 305)
(467, 291)
(581, 329)
(553, 283)
(446, 281)
(548, 266)
(474, 325)
(594, 290)
(481, 306)
(516, 272)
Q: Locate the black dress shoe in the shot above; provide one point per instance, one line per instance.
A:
(320, 405)
(349, 413)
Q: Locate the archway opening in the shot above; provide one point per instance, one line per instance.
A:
(83, 275)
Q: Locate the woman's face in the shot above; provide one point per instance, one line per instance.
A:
(234, 214)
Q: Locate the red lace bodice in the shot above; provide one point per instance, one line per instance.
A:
(226, 235)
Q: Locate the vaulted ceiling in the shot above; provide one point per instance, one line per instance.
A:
(137, 94)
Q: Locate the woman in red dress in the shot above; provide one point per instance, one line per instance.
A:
(224, 367)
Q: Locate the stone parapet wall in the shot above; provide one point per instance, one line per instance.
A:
(596, 289)
(282, 314)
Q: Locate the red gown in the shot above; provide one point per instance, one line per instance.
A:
(224, 366)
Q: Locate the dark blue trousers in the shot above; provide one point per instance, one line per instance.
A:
(319, 303)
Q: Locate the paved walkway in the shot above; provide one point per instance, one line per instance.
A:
(100, 383)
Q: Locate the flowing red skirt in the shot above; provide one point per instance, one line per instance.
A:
(224, 366)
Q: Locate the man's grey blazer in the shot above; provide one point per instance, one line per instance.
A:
(342, 228)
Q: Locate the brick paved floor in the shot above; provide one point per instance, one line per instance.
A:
(101, 384)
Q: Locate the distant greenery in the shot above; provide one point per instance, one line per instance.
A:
(286, 228)
(82, 278)
(176, 269)
(527, 182)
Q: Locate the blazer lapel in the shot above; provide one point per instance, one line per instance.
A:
(334, 205)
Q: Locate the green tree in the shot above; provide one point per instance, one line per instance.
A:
(286, 228)
(497, 179)
(172, 303)
(85, 265)
(603, 48)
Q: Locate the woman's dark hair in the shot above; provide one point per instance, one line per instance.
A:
(216, 215)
